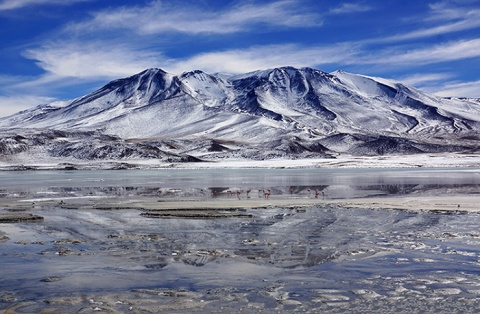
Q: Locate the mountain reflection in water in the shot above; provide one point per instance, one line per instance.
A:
(284, 259)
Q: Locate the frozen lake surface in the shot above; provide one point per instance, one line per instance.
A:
(315, 258)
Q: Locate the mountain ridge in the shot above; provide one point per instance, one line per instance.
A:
(284, 111)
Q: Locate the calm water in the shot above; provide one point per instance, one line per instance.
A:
(327, 258)
(341, 183)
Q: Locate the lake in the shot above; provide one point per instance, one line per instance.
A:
(314, 258)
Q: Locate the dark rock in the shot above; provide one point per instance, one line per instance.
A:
(19, 217)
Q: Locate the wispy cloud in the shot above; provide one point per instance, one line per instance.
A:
(346, 8)
(458, 89)
(419, 79)
(470, 22)
(92, 57)
(443, 84)
(13, 104)
(449, 10)
(158, 17)
(91, 60)
(101, 60)
(443, 18)
(95, 61)
(18, 4)
(263, 57)
(407, 56)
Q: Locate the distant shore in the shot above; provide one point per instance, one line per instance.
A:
(440, 160)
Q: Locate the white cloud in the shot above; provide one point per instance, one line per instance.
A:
(448, 10)
(91, 61)
(403, 56)
(13, 104)
(346, 8)
(102, 60)
(440, 84)
(423, 78)
(9, 79)
(158, 17)
(457, 50)
(473, 21)
(17, 4)
(443, 18)
(263, 57)
(71, 64)
(456, 89)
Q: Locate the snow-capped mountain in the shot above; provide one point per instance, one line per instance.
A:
(298, 110)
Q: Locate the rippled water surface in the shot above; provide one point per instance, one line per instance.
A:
(283, 259)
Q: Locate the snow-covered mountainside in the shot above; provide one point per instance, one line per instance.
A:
(278, 112)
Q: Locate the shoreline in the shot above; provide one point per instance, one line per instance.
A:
(441, 160)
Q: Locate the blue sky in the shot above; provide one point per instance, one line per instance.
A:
(57, 49)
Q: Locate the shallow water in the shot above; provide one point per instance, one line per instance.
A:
(339, 183)
(284, 259)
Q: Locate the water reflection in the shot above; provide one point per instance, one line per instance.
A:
(315, 258)
(303, 252)
(343, 183)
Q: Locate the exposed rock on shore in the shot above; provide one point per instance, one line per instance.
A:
(19, 217)
(194, 214)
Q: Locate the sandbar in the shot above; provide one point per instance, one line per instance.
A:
(199, 207)
(433, 203)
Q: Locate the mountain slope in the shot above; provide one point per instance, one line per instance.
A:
(341, 111)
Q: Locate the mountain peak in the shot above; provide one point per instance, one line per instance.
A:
(152, 71)
(193, 72)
